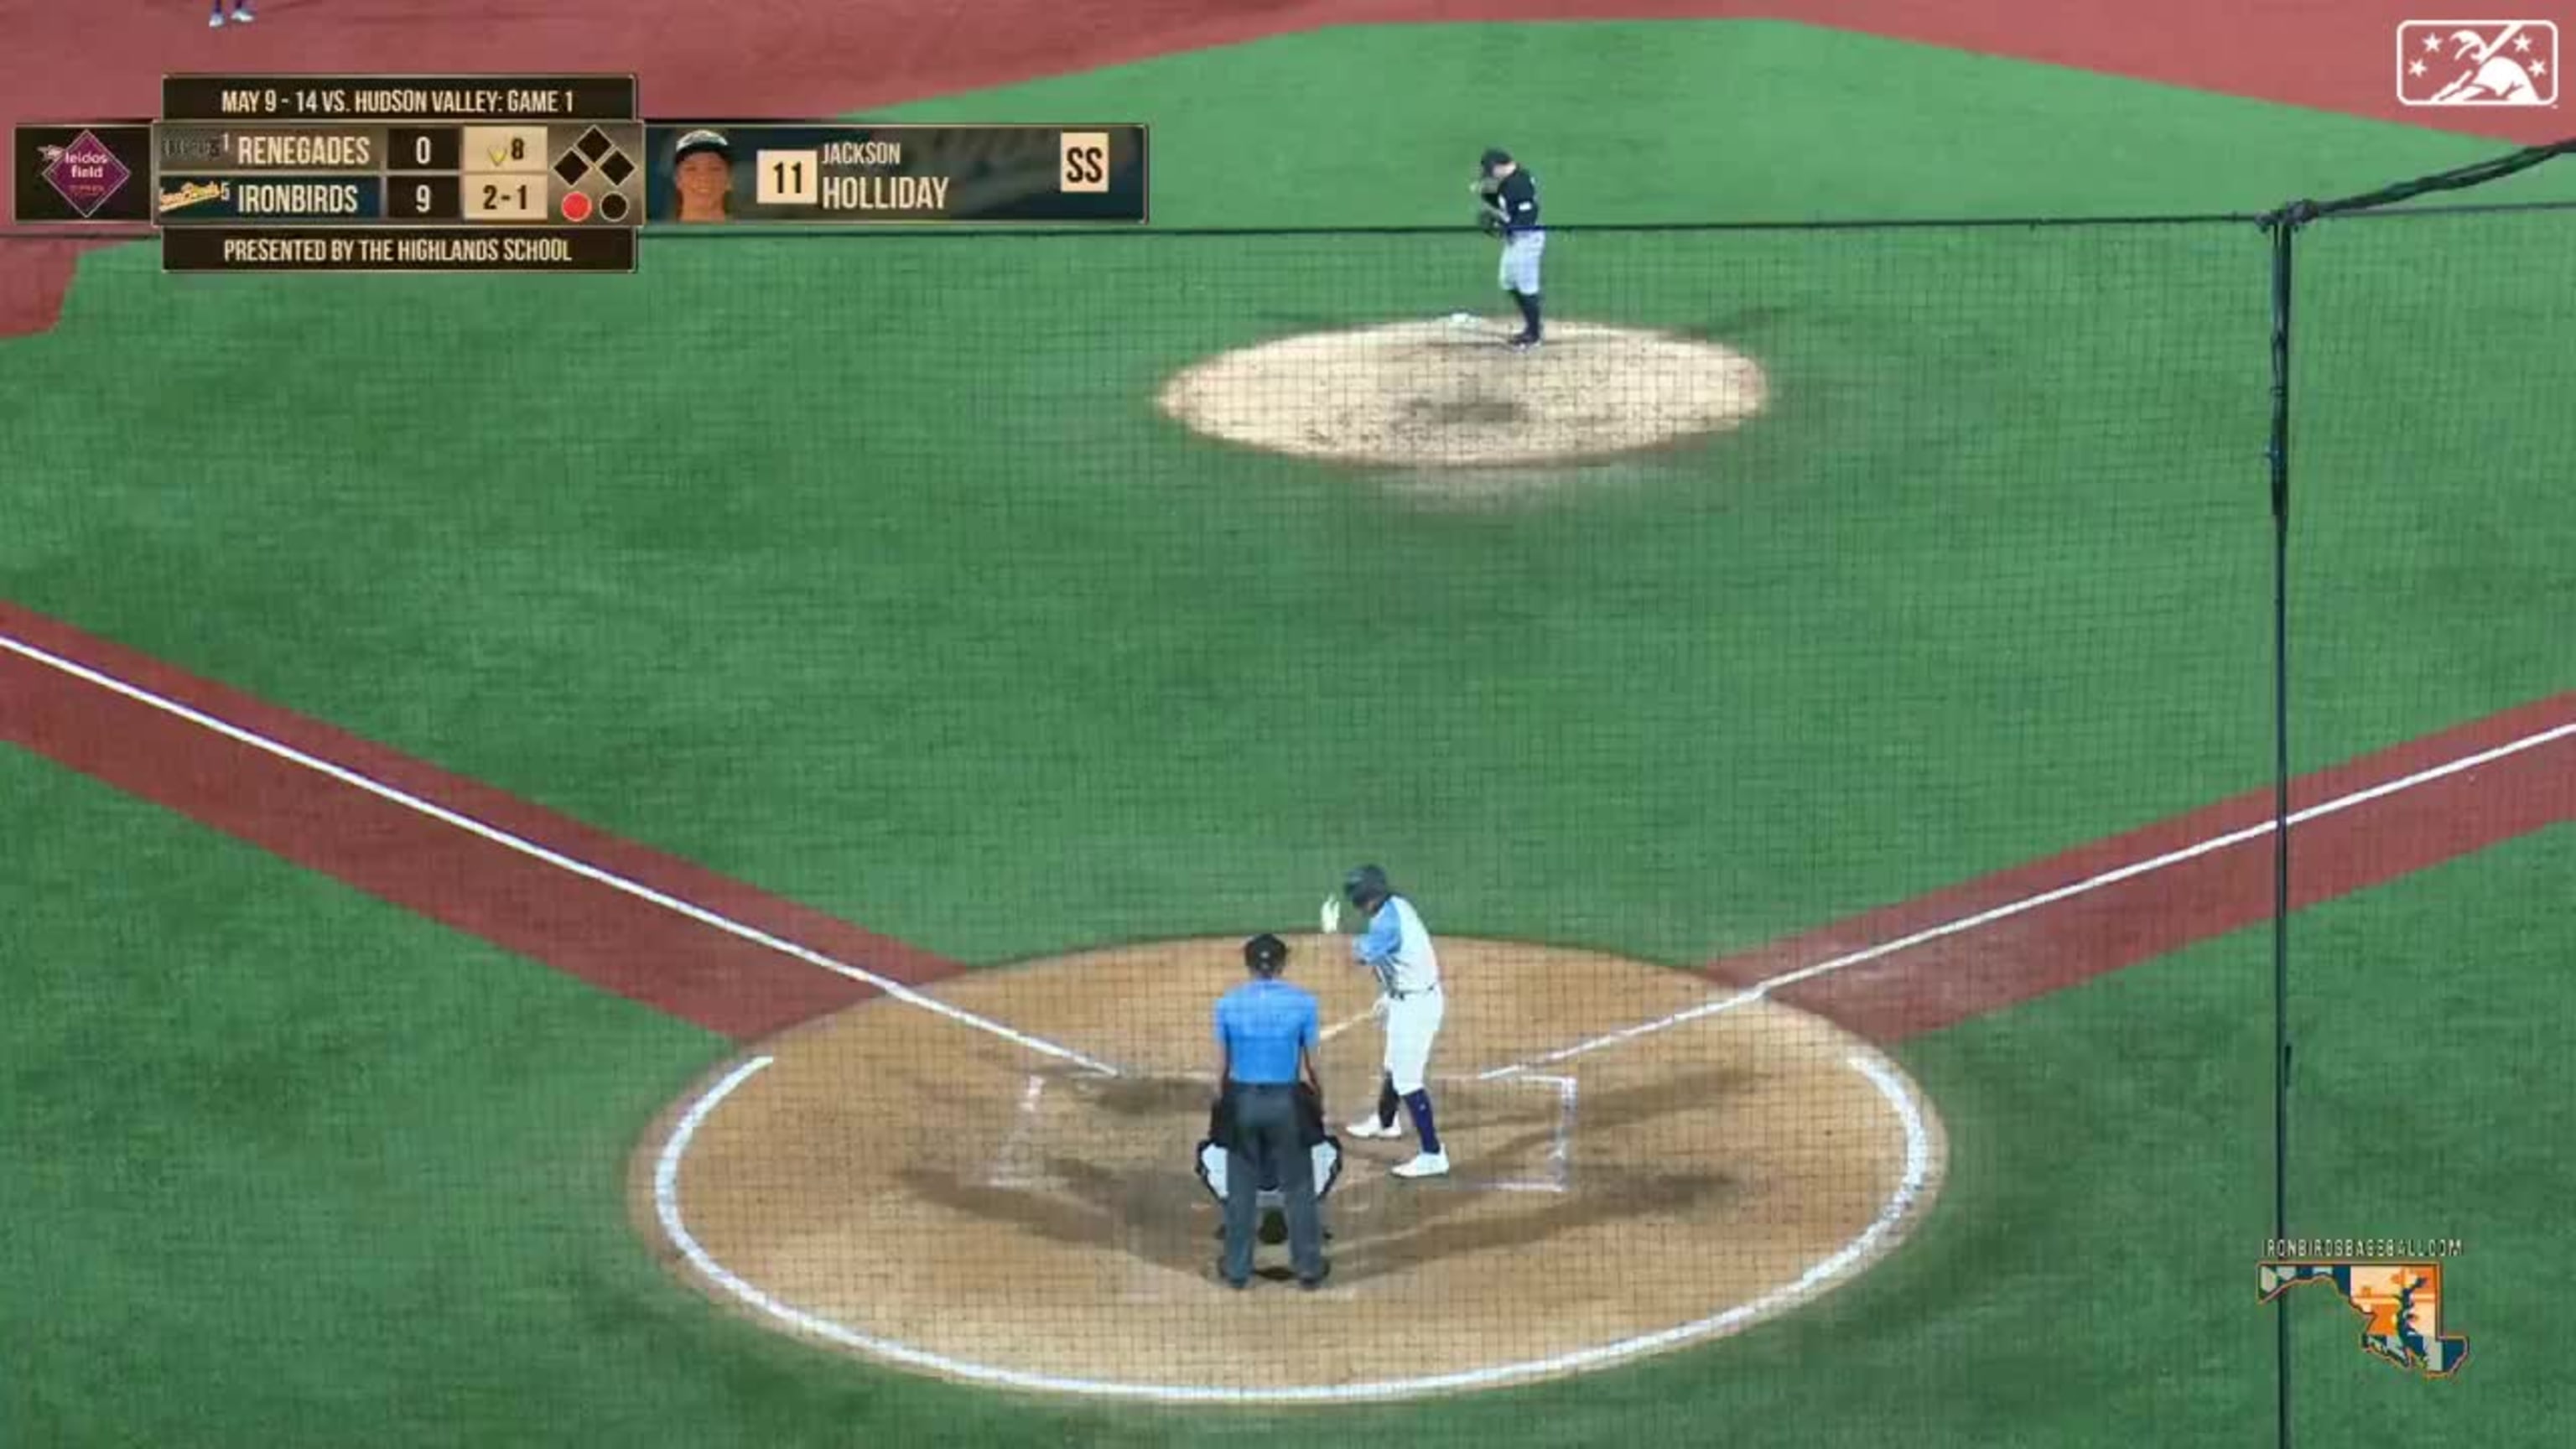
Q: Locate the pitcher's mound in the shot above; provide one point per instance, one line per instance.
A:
(1438, 395)
(921, 1193)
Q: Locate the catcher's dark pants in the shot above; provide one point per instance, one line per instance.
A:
(1268, 1145)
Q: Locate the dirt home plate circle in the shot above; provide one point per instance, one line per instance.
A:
(920, 1192)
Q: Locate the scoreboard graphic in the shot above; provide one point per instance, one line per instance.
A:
(530, 173)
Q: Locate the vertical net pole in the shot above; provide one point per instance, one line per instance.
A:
(2284, 228)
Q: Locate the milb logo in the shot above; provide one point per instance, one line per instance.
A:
(2477, 63)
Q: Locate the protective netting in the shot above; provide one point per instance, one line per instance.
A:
(1820, 701)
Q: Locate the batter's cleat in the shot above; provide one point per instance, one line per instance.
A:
(1424, 1164)
(1522, 342)
(215, 18)
(1311, 1284)
(1371, 1127)
(242, 15)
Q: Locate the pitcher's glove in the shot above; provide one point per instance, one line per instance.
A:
(1489, 223)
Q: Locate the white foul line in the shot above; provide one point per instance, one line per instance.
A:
(911, 997)
(555, 858)
(1766, 986)
(1904, 1202)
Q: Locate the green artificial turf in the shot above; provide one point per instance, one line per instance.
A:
(2431, 1094)
(863, 569)
(2431, 535)
(302, 1190)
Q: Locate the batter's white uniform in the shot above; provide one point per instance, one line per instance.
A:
(1398, 948)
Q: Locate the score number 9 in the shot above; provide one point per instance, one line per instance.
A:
(430, 198)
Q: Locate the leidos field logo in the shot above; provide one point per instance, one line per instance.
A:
(2477, 63)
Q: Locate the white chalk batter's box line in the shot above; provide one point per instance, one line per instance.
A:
(1017, 1166)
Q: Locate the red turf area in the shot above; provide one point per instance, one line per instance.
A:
(791, 57)
(560, 892)
(823, 57)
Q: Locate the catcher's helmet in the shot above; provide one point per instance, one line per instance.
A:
(1494, 156)
(1266, 954)
(1366, 884)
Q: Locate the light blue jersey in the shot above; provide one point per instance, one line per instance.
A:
(1397, 946)
(1262, 1024)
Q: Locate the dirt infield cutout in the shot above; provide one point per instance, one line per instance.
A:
(914, 1193)
(1448, 396)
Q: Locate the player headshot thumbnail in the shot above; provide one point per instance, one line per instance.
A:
(702, 177)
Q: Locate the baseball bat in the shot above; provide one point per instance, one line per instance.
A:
(2480, 58)
(2508, 33)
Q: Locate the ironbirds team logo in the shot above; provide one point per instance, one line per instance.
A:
(2477, 63)
(2400, 1305)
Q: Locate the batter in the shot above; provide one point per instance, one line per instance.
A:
(1397, 947)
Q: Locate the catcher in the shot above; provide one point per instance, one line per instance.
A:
(1507, 207)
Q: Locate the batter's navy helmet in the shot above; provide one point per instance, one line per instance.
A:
(1366, 884)
(1266, 954)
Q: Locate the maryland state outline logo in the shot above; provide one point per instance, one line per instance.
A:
(2400, 1306)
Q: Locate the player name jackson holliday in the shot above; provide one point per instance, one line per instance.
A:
(863, 153)
(885, 193)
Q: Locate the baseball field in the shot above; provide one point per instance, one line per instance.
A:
(644, 860)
